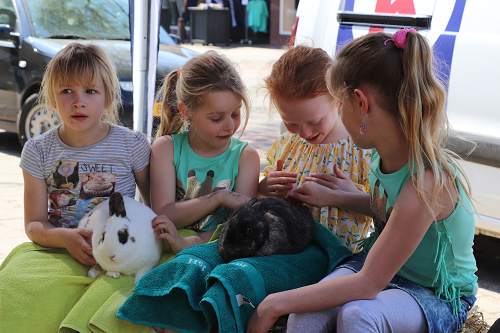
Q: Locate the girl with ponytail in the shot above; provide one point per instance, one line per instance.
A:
(199, 171)
(416, 272)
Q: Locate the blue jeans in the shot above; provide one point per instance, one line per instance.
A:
(439, 314)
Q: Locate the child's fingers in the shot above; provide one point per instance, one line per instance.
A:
(320, 182)
(85, 233)
(281, 174)
(339, 173)
(279, 165)
(281, 188)
(159, 220)
(86, 259)
(164, 227)
(324, 176)
(282, 180)
(293, 201)
(87, 249)
(297, 195)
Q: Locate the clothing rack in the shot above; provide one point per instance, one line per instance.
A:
(246, 39)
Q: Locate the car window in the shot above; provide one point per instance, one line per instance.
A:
(93, 19)
(8, 14)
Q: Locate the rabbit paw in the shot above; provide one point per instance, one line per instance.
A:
(114, 275)
(94, 271)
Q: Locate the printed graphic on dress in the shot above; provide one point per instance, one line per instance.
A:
(378, 206)
(66, 176)
(72, 194)
(97, 185)
(195, 189)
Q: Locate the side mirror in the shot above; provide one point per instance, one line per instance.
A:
(7, 35)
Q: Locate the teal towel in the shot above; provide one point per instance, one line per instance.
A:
(230, 292)
(169, 295)
(246, 282)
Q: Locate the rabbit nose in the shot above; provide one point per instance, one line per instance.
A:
(112, 257)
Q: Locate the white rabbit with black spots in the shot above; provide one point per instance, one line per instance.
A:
(123, 239)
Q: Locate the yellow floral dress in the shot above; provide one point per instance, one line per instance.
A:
(303, 158)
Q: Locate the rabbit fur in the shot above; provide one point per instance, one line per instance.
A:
(123, 239)
(264, 227)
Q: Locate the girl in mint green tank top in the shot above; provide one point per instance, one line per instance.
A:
(199, 171)
(419, 261)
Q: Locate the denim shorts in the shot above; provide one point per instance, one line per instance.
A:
(438, 313)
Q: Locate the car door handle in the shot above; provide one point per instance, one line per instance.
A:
(384, 20)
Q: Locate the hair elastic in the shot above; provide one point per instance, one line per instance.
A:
(178, 71)
(399, 38)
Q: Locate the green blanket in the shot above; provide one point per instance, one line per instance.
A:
(47, 290)
(226, 293)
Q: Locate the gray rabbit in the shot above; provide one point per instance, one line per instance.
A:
(264, 227)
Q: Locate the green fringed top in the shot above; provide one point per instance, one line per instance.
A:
(444, 260)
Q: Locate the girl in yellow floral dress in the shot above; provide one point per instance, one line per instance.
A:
(317, 147)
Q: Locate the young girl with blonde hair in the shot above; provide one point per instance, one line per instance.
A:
(198, 170)
(316, 147)
(68, 171)
(416, 271)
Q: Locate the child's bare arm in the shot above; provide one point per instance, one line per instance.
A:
(163, 190)
(40, 231)
(247, 181)
(406, 227)
(143, 184)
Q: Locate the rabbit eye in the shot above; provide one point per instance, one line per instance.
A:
(249, 230)
(123, 236)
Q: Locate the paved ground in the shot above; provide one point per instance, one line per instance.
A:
(255, 62)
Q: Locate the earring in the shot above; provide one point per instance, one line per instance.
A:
(362, 130)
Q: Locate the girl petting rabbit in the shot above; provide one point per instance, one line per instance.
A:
(317, 146)
(198, 170)
(68, 171)
(416, 271)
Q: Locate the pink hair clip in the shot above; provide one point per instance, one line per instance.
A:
(399, 38)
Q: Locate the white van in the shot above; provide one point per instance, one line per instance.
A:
(464, 34)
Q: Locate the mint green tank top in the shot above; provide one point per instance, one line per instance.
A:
(198, 176)
(444, 260)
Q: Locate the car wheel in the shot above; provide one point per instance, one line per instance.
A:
(34, 120)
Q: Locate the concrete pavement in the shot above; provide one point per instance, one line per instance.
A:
(255, 63)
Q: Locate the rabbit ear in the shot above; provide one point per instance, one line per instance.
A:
(116, 205)
(270, 217)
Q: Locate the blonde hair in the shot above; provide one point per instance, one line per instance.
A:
(209, 72)
(84, 63)
(407, 84)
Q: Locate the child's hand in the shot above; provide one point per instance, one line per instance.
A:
(169, 232)
(312, 194)
(262, 318)
(341, 182)
(76, 244)
(277, 182)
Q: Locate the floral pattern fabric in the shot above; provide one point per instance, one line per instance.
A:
(303, 158)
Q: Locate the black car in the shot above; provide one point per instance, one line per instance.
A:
(33, 31)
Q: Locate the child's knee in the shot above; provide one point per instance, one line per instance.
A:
(314, 322)
(357, 316)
